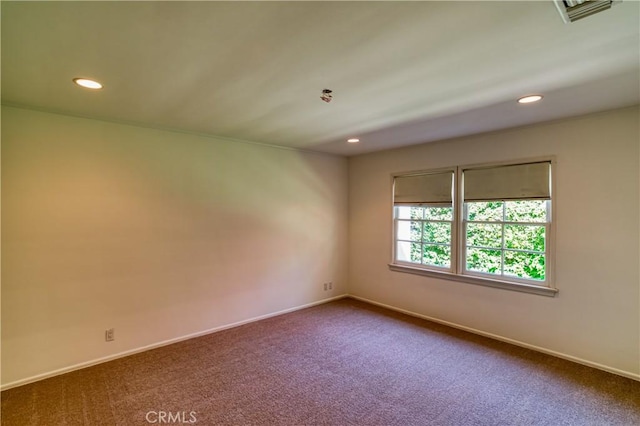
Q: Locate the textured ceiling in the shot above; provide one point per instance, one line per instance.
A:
(402, 72)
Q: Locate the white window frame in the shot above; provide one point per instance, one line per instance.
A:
(452, 249)
(458, 271)
(503, 222)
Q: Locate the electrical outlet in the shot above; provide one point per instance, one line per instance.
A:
(331, 285)
(326, 286)
(109, 335)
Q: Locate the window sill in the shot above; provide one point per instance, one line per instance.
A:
(524, 288)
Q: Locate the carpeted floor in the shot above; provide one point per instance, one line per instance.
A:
(342, 363)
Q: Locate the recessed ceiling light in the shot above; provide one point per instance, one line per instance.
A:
(89, 84)
(353, 140)
(529, 99)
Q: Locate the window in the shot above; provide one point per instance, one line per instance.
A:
(424, 235)
(483, 224)
(424, 219)
(506, 238)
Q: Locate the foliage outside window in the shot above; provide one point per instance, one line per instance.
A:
(424, 235)
(506, 238)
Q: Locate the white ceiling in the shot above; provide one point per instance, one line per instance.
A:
(402, 72)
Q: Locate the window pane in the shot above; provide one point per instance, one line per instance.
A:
(437, 232)
(416, 212)
(526, 211)
(409, 252)
(524, 237)
(403, 212)
(484, 235)
(484, 260)
(409, 230)
(484, 211)
(437, 255)
(524, 265)
(438, 213)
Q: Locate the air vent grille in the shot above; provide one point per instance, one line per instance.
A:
(573, 10)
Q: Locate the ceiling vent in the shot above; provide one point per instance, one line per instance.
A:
(572, 10)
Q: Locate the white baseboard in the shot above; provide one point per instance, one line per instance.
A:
(159, 344)
(308, 305)
(606, 368)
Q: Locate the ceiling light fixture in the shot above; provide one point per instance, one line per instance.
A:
(353, 140)
(86, 83)
(529, 99)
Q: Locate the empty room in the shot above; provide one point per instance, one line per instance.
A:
(320, 213)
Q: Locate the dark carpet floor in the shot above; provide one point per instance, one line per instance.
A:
(342, 363)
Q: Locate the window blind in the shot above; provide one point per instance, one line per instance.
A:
(513, 182)
(432, 188)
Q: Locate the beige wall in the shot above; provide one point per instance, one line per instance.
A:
(161, 234)
(596, 315)
(154, 233)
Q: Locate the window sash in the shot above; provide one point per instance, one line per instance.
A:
(422, 242)
(503, 222)
(426, 266)
(503, 249)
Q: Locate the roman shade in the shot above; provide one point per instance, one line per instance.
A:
(513, 182)
(431, 188)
